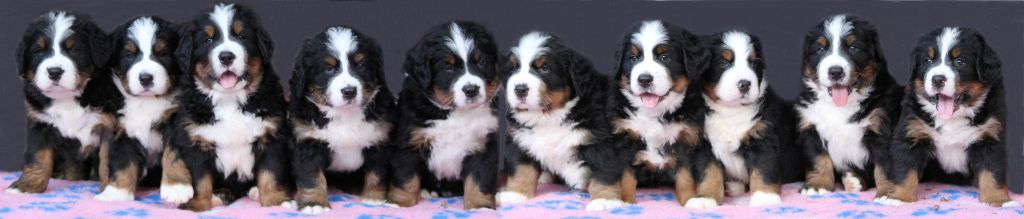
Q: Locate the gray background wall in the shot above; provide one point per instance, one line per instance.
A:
(591, 27)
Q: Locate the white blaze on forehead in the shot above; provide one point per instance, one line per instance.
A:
(728, 87)
(950, 36)
(59, 29)
(529, 48)
(947, 40)
(341, 42)
(222, 15)
(143, 31)
(835, 28)
(650, 35)
(460, 44)
(740, 45)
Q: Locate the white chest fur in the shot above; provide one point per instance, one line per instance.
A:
(553, 143)
(234, 133)
(139, 115)
(842, 138)
(463, 133)
(347, 134)
(656, 134)
(952, 138)
(725, 128)
(73, 121)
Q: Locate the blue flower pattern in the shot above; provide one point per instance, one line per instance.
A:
(854, 214)
(932, 211)
(129, 212)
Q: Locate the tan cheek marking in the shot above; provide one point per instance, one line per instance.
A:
(554, 99)
(709, 91)
(442, 96)
(209, 30)
(476, 54)
(236, 27)
(680, 84)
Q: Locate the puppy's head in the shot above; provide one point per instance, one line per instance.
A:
(454, 64)
(842, 55)
(224, 49)
(953, 71)
(144, 62)
(736, 74)
(337, 69)
(656, 63)
(543, 73)
(60, 52)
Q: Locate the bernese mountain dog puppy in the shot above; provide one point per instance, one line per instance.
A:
(342, 112)
(952, 123)
(62, 62)
(558, 123)
(657, 116)
(447, 139)
(847, 107)
(748, 126)
(145, 72)
(231, 131)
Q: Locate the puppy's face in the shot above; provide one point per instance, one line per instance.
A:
(540, 74)
(339, 68)
(841, 55)
(60, 53)
(651, 69)
(455, 64)
(953, 71)
(736, 76)
(226, 49)
(144, 61)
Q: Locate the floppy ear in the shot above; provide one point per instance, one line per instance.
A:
(99, 44)
(298, 81)
(417, 66)
(184, 51)
(988, 67)
(19, 54)
(580, 71)
(877, 43)
(620, 54)
(265, 44)
(695, 56)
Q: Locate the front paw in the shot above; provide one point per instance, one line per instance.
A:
(176, 193)
(604, 204)
(114, 194)
(763, 199)
(813, 190)
(14, 191)
(379, 202)
(509, 197)
(701, 203)
(886, 200)
(851, 183)
(1010, 204)
(312, 209)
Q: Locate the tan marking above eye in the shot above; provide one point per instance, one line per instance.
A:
(331, 61)
(450, 59)
(69, 42)
(822, 41)
(850, 39)
(539, 61)
(727, 55)
(512, 60)
(236, 27)
(660, 49)
(358, 57)
(131, 48)
(476, 54)
(159, 46)
(955, 53)
(931, 52)
(209, 30)
(41, 43)
(635, 51)
(753, 55)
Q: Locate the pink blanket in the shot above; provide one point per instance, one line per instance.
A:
(65, 199)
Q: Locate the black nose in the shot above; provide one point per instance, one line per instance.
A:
(939, 81)
(471, 90)
(645, 80)
(146, 80)
(226, 58)
(348, 92)
(744, 86)
(521, 90)
(55, 73)
(835, 73)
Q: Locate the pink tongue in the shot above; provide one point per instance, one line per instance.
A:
(650, 100)
(945, 107)
(228, 80)
(840, 95)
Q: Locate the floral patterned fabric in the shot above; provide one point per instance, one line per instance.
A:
(64, 199)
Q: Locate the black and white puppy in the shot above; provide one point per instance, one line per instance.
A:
(447, 139)
(342, 112)
(231, 128)
(952, 121)
(62, 62)
(848, 105)
(657, 116)
(145, 72)
(558, 123)
(748, 126)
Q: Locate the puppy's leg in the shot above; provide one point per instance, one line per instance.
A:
(628, 184)
(35, 175)
(821, 178)
(475, 196)
(176, 180)
(481, 182)
(710, 188)
(521, 185)
(202, 200)
(764, 189)
(685, 186)
(122, 164)
(405, 193)
(993, 189)
(375, 184)
(884, 186)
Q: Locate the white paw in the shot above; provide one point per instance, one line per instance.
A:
(701, 203)
(734, 188)
(851, 183)
(216, 201)
(545, 178)
(604, 204)
(885, 200)
(374, 202)
(114, 194)
(1011, 204)
(510, 197)
(814, 191)
(315, 210)
(290, 204)
(176, 193)
(254, 193)
(759, 199)
(14, 191)
(428, 194)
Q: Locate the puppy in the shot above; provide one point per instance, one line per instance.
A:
(62, 62)
(748, 126)
(447, 139)
(231, 132)
(557, 123)
(342, 112)
(952, 121)
(847, 107)
(657, 116)
(145, 72)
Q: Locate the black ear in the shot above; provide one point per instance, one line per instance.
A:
(988, 66)
(298, 81)
(99, 44)
(417, 66)
(184, 51)
(580, 72)
(695, 55)
(620, 54)
(877, 43)
(20, 53)
(265, 43)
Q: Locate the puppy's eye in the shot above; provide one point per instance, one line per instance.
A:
(448, 67)
(209, 40)
(544, 68)
(724, 63)
(634, 58)
(820, 50)
(959, 62)
(663, 57)
(482, 63)
(929, 61)
(331, 71)
(361, 65)
(854, 49)
(241, 36)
